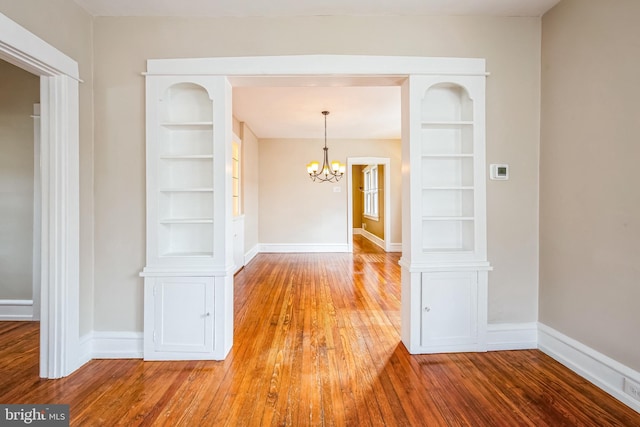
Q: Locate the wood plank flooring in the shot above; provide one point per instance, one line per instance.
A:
(317, 343)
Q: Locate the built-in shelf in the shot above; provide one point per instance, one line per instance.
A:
(187, 221)
(448, 218)
(187, 254)
(430, 124)
(187, 125)
(447, 156)
(187, 157)
(186, 190)
(450, 188)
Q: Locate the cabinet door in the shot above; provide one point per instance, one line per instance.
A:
(183, 314)
(449, 310)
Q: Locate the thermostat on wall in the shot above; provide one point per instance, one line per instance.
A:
(500, 172)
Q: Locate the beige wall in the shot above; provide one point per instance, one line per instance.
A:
(66, 26)
(589, 197)
(294, 209)
(19, 91)
(510, 45)
(250, 186)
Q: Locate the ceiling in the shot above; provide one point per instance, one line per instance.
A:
(286, 108)
(244, 8)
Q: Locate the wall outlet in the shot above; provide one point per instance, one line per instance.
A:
(632, 388)
(364, 225)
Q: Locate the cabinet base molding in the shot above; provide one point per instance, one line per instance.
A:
(606, 373)
(112, 345)
(512, 336)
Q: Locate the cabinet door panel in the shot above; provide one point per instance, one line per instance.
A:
(184, 315)
(449, 308)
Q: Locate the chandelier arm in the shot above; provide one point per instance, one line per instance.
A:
(330, 175)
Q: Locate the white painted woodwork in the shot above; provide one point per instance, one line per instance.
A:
(238, 243)
(181, 315)
(189, 219)
(444, 214)
(449, 309)
(444, 274)
(37, 214)
(60, 352)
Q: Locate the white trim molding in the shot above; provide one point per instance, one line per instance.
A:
(592, 365)
(251, 254)
(59, 101)
(395, 247)
(117, 345)
(372, 238)
(512, 336)
(302, 247)
(16, 309)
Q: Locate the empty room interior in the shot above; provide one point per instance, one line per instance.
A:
(347, 213)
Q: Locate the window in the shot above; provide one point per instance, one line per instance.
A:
(235, 178)
(370, 180)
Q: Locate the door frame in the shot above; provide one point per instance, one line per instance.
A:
(386, 193)
(59, 244)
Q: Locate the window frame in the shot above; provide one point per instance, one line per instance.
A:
(371, 193)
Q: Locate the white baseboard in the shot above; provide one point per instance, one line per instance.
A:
(16, 309)
(302, 247)
(251, 254)
(116, 345)
(512, 336)
(601, 370)
(372, 238)
(395, 247)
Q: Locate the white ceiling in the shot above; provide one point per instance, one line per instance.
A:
(244, 8)
(296, 112)
(288, 108)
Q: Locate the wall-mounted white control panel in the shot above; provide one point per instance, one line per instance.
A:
(499, 172)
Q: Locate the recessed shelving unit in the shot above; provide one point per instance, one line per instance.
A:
(185, 170)
(187, 279)
(446, 281)
(447, 170)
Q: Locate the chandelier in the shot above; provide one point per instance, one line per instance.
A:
(328, 172)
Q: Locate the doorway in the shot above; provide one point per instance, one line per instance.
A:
(19, 195)
(382, 199)
(59, 78)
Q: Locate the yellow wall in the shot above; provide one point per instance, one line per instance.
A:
(372, 226)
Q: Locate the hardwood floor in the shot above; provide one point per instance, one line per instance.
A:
(316, 343)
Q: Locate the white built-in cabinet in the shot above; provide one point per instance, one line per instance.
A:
(194, 219)
(188, 279)
(445, 270)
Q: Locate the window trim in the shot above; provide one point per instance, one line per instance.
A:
(371, 193)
